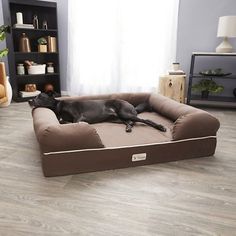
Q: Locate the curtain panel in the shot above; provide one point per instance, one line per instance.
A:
(119, 45)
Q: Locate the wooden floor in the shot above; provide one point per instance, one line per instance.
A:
(193, 197)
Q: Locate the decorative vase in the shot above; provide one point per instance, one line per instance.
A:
(205, 94)
(9, 94)
(24, 45)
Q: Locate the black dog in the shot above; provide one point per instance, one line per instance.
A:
(94, 111)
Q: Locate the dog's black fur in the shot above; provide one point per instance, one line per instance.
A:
(94, 111)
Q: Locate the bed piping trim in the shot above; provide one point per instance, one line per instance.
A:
(138, 145)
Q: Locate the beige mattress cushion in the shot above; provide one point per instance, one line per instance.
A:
(114, 135)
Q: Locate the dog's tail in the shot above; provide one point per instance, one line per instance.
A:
(150, 123)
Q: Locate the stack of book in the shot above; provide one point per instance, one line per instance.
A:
(23, 26)
(176, 72)
(24, 94)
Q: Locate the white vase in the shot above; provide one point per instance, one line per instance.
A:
(9, 94)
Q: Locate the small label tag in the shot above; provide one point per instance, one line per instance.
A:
(139, 157)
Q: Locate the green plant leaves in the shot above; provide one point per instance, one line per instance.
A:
(3, 30)
(208, 85)
(2, 36)
(3, 52)
(42, 41)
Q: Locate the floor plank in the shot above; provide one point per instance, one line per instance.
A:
(192, 197)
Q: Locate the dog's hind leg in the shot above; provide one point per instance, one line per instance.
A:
(129, 124)
(127, 112)
(149, 122)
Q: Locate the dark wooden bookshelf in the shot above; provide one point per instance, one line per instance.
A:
(34, 53)
(33, 30)
(217, 100)
(214, 77)
(213, 101)
(38, 75)
(45, 11)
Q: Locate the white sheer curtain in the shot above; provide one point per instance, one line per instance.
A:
(119, 45)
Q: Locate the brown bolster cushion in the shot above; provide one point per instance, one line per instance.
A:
(189, 122)
(194, 125)
(52, 136)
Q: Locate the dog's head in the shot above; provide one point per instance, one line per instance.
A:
(44, 100)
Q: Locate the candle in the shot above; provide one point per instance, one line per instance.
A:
(19, 18)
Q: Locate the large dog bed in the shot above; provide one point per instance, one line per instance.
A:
(81, 147)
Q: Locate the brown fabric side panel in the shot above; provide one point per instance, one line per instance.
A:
(53, 136)
(190, 122)
(133, 98)
(199, 124)
(69, 137)
(88, 161)
(43, 118)
(170, 108)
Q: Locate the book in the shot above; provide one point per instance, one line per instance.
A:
(23, 26)
(176, 72)
(24, 94)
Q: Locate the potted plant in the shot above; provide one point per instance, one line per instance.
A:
(42, 45)
(206, 86)
(6, 87)
(3, 30)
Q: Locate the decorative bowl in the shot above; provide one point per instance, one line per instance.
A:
(37, 69)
